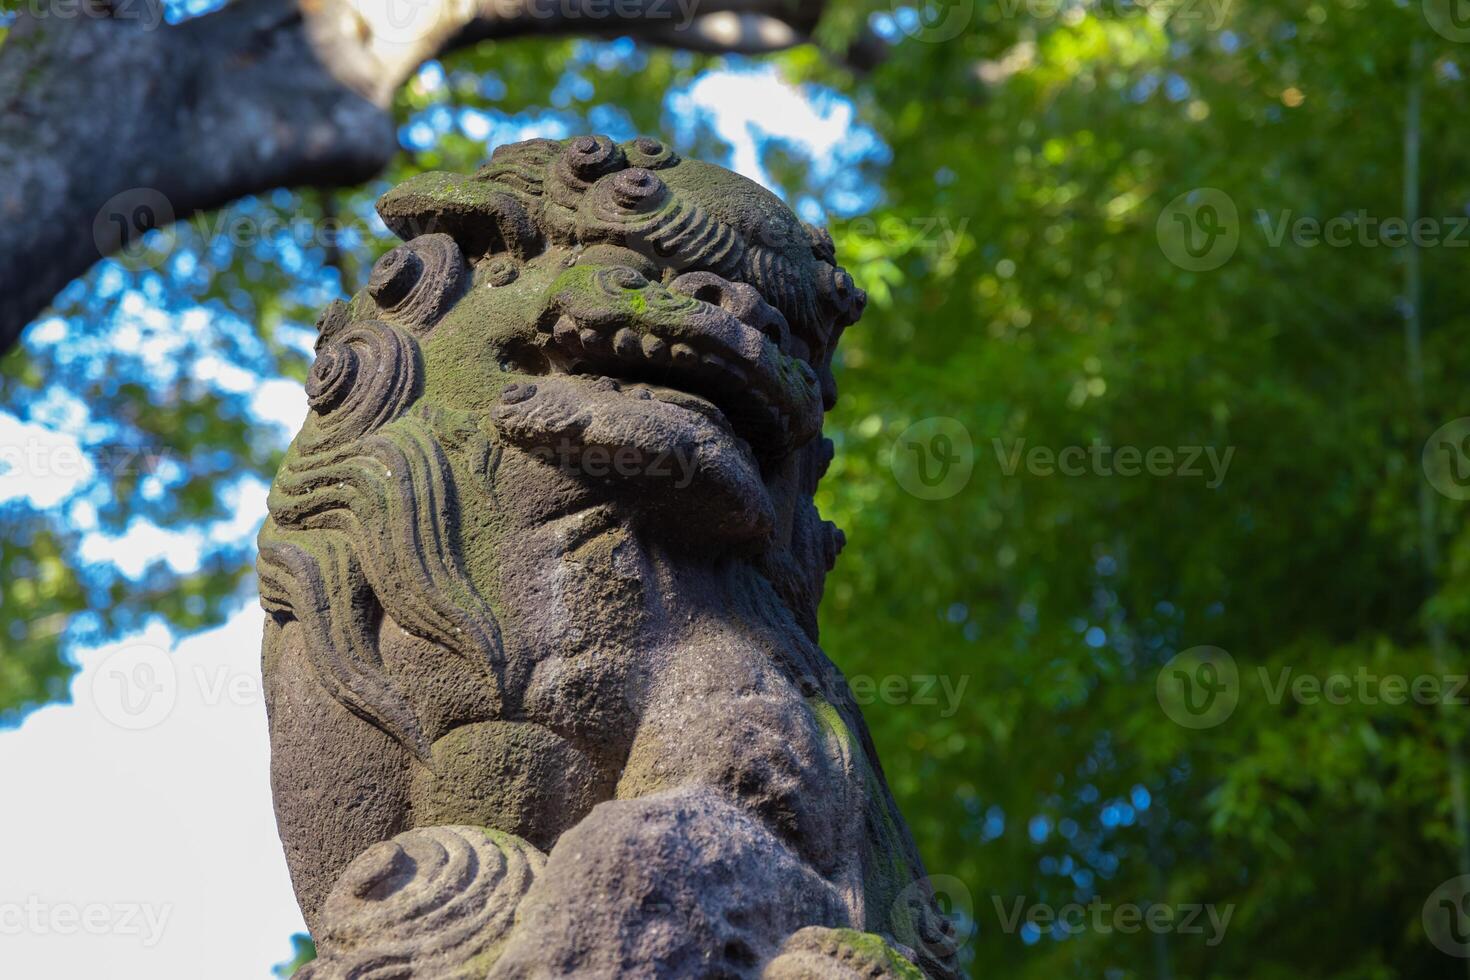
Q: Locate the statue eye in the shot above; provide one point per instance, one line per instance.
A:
(394, 276)
(637, 189)
(607, 254)
(500, 270)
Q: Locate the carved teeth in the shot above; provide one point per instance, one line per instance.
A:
(722, 375)
(565, 332)
(515, 392)
(625, 342)
(655, 349)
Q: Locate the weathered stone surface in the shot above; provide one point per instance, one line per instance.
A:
(435, 902)
(542, 571)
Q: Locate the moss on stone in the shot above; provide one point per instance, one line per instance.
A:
(886, 868)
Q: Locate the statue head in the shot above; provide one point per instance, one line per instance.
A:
(548, 528)
(658, 326)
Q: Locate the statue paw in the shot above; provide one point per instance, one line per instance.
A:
(434, 902)
(820, 953)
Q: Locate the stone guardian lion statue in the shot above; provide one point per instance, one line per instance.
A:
(541, 572)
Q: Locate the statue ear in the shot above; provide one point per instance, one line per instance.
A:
(842, 297)
(821, 241)
(482, 217)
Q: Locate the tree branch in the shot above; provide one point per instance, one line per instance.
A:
(117, 122)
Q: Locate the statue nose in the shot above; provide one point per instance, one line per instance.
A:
(741, 300)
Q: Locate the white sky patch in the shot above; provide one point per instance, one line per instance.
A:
(748, 105)
(62, 411)
(38, 463)
(223, 374)
(49, 331)
(144, 806)
(144, 542)
(475, 124)
(280, 401)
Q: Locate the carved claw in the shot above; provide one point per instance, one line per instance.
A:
(663, 443)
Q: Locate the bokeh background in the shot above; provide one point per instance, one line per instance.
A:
(1151, 454)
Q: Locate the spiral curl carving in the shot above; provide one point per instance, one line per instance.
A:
(434, 903)
(364, 377)
(362, 511)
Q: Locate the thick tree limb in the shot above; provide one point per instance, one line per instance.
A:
(113, 120)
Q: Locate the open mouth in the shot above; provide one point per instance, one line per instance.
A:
(686, 352)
